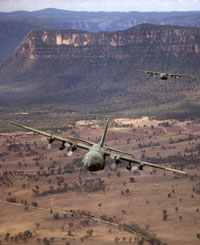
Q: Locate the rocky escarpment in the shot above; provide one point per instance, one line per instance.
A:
(15, 25)
(67, 44)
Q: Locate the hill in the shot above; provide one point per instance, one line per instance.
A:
(15, 25)
(96, 73)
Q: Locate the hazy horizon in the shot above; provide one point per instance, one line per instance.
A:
(102, 5)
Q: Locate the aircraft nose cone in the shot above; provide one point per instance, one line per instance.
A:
(89, 164)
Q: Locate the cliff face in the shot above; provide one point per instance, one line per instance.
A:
(175, 41)
(14, 26)
(77, 67)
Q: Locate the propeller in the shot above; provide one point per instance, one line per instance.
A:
(116, 158)
(49, 146)
(113, 166)
(70, 149)
(112, 157)
(44, 139)
(70, 153)
(51, 140)
(67, 145)
(63, 146)
(134, 168)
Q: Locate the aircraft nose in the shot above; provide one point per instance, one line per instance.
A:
(90, 165)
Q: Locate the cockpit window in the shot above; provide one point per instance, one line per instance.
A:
(92, 158)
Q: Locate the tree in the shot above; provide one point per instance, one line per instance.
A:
(99, 204)
(7, 236)
(39, 240)
(141, 242)
(71, 225)
(37, 225)
(118, 174)
(90, 232)
(69, 233)
(46, 241)
(34, 204)
(128, 140)
(165, 216)
(198, 235)
(85, 222)
(56, 216)
(52, 239)
(117, 239)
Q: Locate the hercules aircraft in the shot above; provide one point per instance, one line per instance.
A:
(95, 158)
(165, 75)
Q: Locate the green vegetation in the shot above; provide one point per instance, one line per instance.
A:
(66, 83)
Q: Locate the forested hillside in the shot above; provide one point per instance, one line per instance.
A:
(97, 73)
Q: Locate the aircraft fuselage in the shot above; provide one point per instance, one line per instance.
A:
(94, 160)
(163, 76)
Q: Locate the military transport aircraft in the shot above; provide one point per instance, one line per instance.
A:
(95, 158)
(165, 75)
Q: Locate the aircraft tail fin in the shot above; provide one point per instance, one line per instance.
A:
(104, 134)
(165, 69)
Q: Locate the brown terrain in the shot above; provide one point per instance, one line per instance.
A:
(48, 198)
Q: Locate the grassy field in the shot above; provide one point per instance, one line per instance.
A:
(60, 203)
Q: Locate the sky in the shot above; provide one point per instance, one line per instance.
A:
(101, 5)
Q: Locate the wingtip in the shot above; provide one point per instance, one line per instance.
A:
(180, 172)
(16, 124)
(176, 171)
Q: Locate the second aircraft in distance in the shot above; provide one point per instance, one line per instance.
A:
(165, 75)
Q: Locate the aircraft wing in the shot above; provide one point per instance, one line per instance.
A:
(81, 140)
(179, 75)
(130, 159)
(110, 149)
(72, 142)
(152, 73)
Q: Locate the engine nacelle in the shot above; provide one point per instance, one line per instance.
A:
(141, 166)
(129, 167)
(51, 140)
(117, 160)
(73, 147)
(62, 147)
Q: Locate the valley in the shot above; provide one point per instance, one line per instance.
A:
(91, 75)
(53, 200)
